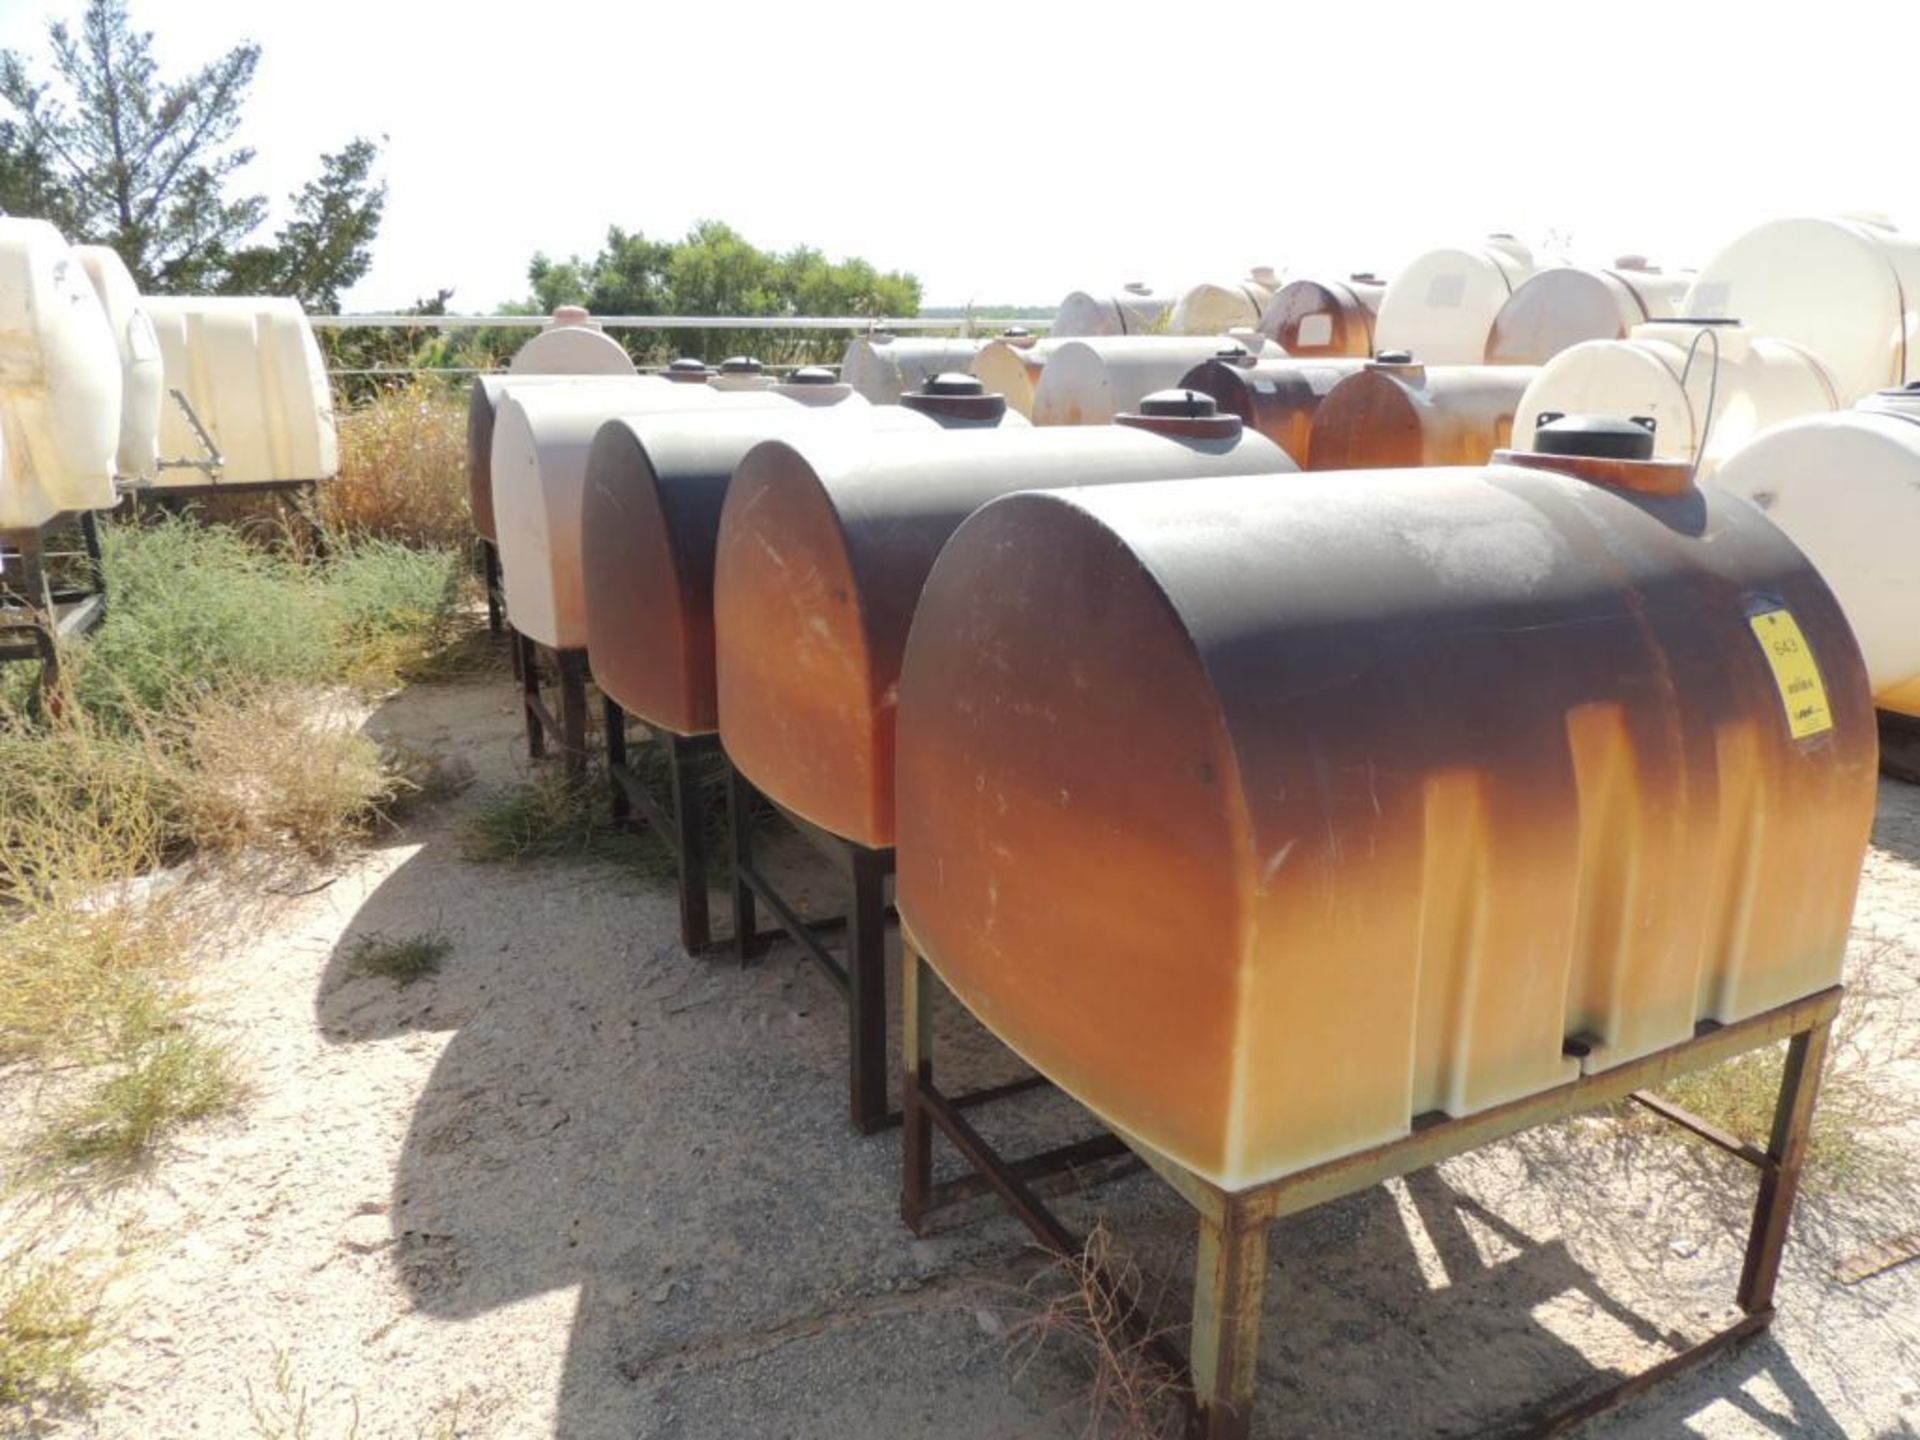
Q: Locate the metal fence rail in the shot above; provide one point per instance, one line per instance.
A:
(978, 324)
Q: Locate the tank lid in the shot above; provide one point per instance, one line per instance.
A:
(813, 375)
(742, 365)
(1633, 262)
(1015, 332)
(1366, 277)
(570, 315)
(956, 395)
(1600, 437)
(1235, 354)
(1137, 287)
(688, 365)
(1901, 400)
(1189, 414)
(1393, 357)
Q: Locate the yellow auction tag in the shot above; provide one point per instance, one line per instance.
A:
(1795, 671)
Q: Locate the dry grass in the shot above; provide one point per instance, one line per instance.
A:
(50, 1322)
(401, 959)
(403, 470)
(549, 818)
(1086, 1306)
(172, 1079)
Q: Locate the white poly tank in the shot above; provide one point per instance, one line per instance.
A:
(541, 439)
(572, 344)
(251, 370)
(1847, 290)
(1442, 306)
(59, 381)
(1011, 365)
(1088, 382)
(1214, 307)
(884, 367)
(1561, 306)
(1751, 381)
(1133, 309)
(141, 381)
(1845, 488)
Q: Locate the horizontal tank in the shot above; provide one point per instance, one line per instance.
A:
(542, 437)
(1265, 818)
(1670, 371)
(572, 344)
(883, 367)
(60, 381)
(1133, 309)
(1392, 412)
(1846, 290)
(1559, 307)
(823, 548)
(1214, 307)
(141, 373)
(651, 521)
(1846, 489)
(1088, 382)
(1011, 366)
(1442, 306)
(251, 370)
(1277, 397)
(483, 406)
(1321, 319)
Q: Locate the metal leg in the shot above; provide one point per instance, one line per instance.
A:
(529, 668)
(916, 1014)
(490, 578)
(616, 724)
(1786, 1153)
(690, 814)
(1230, 1281)
(746, 924)
(867, 990)
(571, 672)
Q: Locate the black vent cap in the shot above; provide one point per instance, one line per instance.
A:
(1594, 437)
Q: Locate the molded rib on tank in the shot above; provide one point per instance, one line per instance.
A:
(141, 375)
(1263, 818)
(824, 544)
(1560, 307)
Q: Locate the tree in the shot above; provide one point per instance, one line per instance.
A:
(716, 271)
(113, 153)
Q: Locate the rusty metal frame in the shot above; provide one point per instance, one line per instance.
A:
(1231, 1270)
(681, 822)
(173, 500)
(569, 726)
(36, 611)
(1900, 746)
(860, 973)
(486, 564)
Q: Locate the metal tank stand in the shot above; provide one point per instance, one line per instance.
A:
(1900, 746)
(487, 563)
(175, 499)
(569, 727)
(1231, 1271)
(860, 973)
(48, 595)
(681, 821)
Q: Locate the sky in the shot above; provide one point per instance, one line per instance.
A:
(1013, 152)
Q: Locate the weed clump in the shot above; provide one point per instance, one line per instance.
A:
(402, 959)
(49, 1324)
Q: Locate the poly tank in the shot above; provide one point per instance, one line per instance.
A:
(1442, 306)
(60, 381)
(651, 523)
(823, 548)
(1324, 318)
(571, 344)
(141, 379)
(1846, 290)
(1561, 306)
(1088, 382)
(541, 439)
(1011, 366)
(1214, 307)
(1133, 309)
(483, 409)
(883, 367)
(1264, 818)
(1668, 371)
(1846, 489)
(1277, 397)
(251, 370)
(1392, 412)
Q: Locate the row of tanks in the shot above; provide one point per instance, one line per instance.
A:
(103, 389)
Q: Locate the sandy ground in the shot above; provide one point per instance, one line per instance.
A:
(580, 1185)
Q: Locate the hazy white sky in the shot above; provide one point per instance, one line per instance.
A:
(1014, 151)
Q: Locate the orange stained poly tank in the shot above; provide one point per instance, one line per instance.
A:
(1277, 397)
(1556, 309)
(1011, 364)
(483, 404)
(1391, 413)
(824, 543)
(650, 520)
(1324, 318)
(1265, 818)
